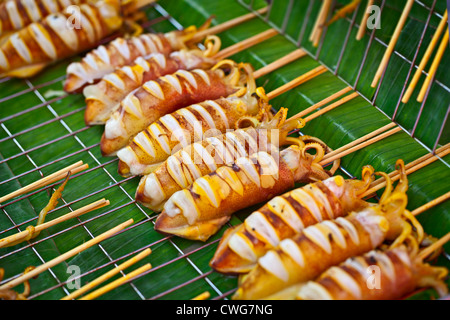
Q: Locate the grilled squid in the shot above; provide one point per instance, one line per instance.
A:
(191, 124)
(122, 52)
(30, 49)
(376, 275)
(17, 14)
(284, 216)
(199, 211)
(318, 247)
(203, 157)
(165, 95)
(104, 97)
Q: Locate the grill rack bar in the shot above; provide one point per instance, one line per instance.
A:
(60, 118)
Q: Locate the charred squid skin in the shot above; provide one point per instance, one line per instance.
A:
(104, 97)
(30, 49)
(320, 246)
(250, 180)
(17, 14)
(401, 272)
(124, 51)
(159, 97)
(286, 215)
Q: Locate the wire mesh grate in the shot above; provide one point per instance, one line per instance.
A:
(22, 150)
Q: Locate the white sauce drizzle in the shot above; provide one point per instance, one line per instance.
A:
(68, 35)
(281, 207)
(14, 15)
(242, 247)
(305, 199)
(290, 248)
(174, 82)
(272, 263)
(160, 137)
(122, 46)
(153, 189)
(145, 143)
(317, 235)
(204, 114)
(257, 223)
(219, 110)
(188, 77)
(154, 88)
(20, 47)
(350, 228)
(43, 40)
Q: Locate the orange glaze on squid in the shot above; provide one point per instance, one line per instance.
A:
(30, 49)
(318, 247)
(104, 97)
(165, 95)
(284, 216)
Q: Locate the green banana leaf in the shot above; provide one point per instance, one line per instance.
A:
(54, 129)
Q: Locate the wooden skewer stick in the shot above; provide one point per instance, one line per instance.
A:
(425, 58)
(321, 18)
(434, 66)
(297, 81)
(294, 55)
(321, 103)
(431, 204)
(113, 285)
(424, 159)
(392, 43)
(21, 236)
(203, 296)
(360, 140)
(132, 6)
(363, 24)
(38, 270)
(358, 147)
(332, 106)
(59, 175)
(410, 168)
(429, 250)
(108, 275)
(226, 25)
(245, 44)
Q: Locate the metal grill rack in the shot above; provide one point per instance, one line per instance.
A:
(67, 139)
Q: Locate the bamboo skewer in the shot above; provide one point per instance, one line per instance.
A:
(321, 103)
(245, 44)
(429, 250)
(410, 168)
(38, 270)
(58, 175)
(108, 275)
(24, 235)
(113, 285)
(332, 106)
(425, 58)
(392, 43)
(294, 55)
(347, 151)
(226, 25)
(431, 204)
(363, 24)
(299, 80)
(360, 140)
(321, 18)
(437, 59)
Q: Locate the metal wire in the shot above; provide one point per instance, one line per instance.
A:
(83, 149)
